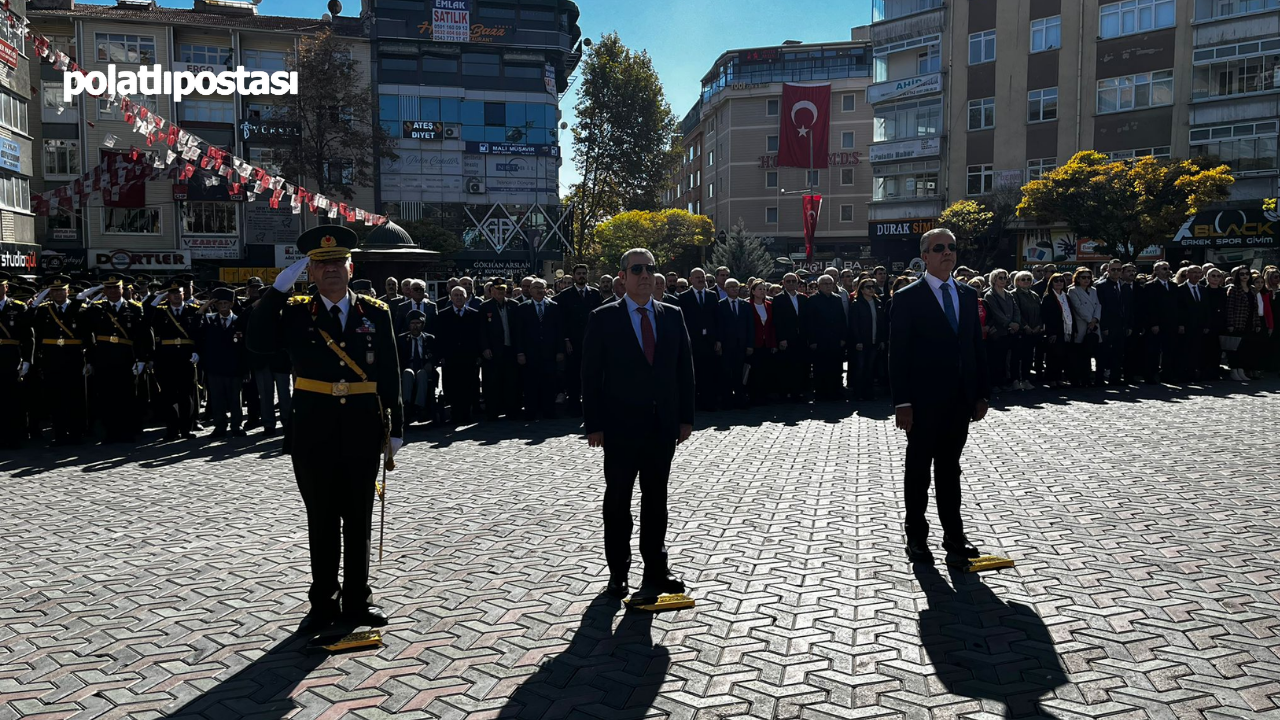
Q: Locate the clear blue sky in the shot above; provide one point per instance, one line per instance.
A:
(683, 37)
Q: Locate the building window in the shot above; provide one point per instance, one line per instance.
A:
(1042, 105)
(771, 216)
(1245, 147)
(711, 189)
(1046, 33)
(982, 47)
(981, 180)
(51, 99)
(204, 55)
(265, 158)
(907, 120)
(848, 102)
(1039, 167)
(1241, 75)
(846, 140)
(1156, 152)
(905, 180)
(811, 178)
(771, 107)
(125, 49)
(209, 218)
(982, 114)
(61, 157)
(1209, 9)
(771, 179)
(15, 193)
(697, 207)
(207, 110)
(1135, 16)
(64, 43)
(262, 111)
(131, 221)
(711, 157)
(13, 112)
(270, 60)
(480, 64)
(846, 176)
(1135, 91)
(846, 213)
(339, 172)
(697, 177)
(150, 102)
(771, 143)
(929, 60)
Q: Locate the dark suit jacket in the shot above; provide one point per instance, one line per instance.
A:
(1051, 316)
(1117, 306)
(1159, 306)
(575, 309)
(405, 350)
(621, 391)
(700, 319)
(540, 340)
(825, 324)
(222, 350)
(400, 315)
(735, 333)
(922, 347)
(860, 312)
(787, 324)
(458, 338)
(1194, 315)
(491, 335)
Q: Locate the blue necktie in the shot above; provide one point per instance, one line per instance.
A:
(949, 307)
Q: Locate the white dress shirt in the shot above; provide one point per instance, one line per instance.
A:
(635, 319)
(936, 285)
(344, 307)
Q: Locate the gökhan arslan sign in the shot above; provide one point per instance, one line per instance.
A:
(1229, 229)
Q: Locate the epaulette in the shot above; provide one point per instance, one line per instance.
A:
(17, 303)
(373, 301)
(299, 299)
(135, 303)
(44, 302)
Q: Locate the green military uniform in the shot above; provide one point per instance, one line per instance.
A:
(60, 340)
(346, 404)
(16, 343)
(120, 340)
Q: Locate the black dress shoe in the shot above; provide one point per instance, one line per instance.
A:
(188, 436)
(218, 433)
(617, 587)
(370, 615)
(918, 551)
(960, 545)
(666, 584)
(317, 620)
(238, 433)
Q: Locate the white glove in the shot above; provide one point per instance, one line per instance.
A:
(195, 358)
(160, 297)
(40, 296)
(396, 444)
(88, 369)
(287, 277)
(137, 368)
(88, 293)
(24, 368)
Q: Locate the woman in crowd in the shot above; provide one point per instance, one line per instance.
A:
(1055, 313)
(1270, 296)
(1215, 297)
(1029, 332)
(1004, 321)
(1086, 313)
(762, 381)
(868, 332)
(1242, 323)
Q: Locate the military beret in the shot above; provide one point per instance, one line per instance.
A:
(328, 242)
(224, 293)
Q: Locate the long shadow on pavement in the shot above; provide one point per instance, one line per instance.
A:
(603, 673)
(985, 648)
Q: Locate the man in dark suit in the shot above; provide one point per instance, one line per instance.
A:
(418, 380)
(1116, 324)
(458, 341)
(539, 349)
(576, 303)
(788, 323)
(223, 358)
(735, 336)
(1160, 319)
(497, 347)
(699, 306)
(1193, 324)
(637, 395)
(826, 331)
(416, 300)
(1040, 287)
(938, 376)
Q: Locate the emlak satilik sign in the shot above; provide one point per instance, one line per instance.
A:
(154, 80)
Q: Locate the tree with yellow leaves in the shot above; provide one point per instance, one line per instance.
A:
(664, 232)
(1124, 205)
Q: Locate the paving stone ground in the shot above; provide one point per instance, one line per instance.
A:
(167, 581)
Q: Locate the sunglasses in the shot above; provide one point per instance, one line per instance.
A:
(943, 248)
(641, 268)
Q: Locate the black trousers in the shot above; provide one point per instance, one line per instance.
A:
(338, 491)
(937, 439)
(13, 419)
(573, 377)
(793, 369)
(862, 365)
(706, 372)
(224, 400)
(501, 383)
(733, 393)
(177, 380)
(1160, 355)
(539, 379)
(115, 398)
(460, 380)
(63, 386)
(1111, 354)
(649, 458)
(827, 372)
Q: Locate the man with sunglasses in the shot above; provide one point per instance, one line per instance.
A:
(789, 315)
(1116, 300)
(938, 377)
(637, 401)
(699, 305)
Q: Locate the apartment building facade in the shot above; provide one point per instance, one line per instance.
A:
(973, 95)
(169, 226)
(17, 225)
(729, 170)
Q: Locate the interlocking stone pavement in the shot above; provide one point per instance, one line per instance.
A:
(167, 580)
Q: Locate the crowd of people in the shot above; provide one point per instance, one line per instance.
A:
(120, 351)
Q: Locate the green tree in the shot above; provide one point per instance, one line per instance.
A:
(1125, 206)
(622, 139)
(335, 112)
(430, 236)
(967, 220)
(665, 233)
(685, 229)
(744, 253)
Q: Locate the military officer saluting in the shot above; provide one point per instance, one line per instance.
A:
(176, 323)
(346, 414)
(60, 345)
(120, 346)
(16, 342)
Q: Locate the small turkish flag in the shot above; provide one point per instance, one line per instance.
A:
(805, 125)
(812, 206)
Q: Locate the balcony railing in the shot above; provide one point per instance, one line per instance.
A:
(783, 74)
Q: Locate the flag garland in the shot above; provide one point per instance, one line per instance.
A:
(180, 154)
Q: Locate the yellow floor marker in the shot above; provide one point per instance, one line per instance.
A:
(677, 601)
(979, 564)
(352, 641)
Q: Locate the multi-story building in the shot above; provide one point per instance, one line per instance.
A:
(730, 171)
(167, 226)
(471, 92)
(971, 95)
(17, 227)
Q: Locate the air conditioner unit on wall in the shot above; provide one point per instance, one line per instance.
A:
(475, 186)
(452, 131)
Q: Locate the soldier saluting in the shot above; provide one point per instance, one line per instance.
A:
(16, 343)
(346, 413)
(60, 346)
(120, 349)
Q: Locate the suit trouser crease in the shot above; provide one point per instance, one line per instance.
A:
(338, 492)
(650, 460)
(937, 439)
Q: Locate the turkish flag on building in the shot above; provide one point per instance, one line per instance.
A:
(805, 125)
(812, 206)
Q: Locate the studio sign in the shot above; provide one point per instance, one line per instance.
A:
(1229, 229)
(252, 130)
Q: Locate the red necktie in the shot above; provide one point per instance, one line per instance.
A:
(646, 334)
